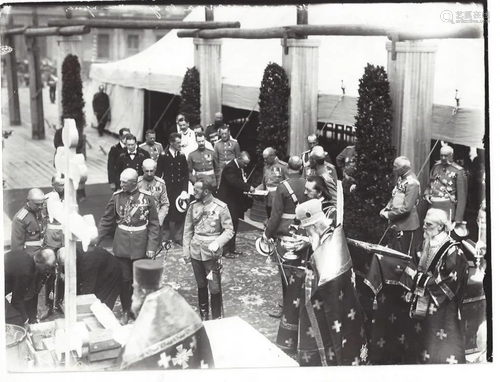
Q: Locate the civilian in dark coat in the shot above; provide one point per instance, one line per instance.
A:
(114, 153)
(132, 157)
(231, 191)
(98, 272)
(173, 168)
(24, 276)
(102, 109)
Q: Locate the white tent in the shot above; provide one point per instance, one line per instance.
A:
(161, 67)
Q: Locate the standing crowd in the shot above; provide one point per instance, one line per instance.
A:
(194, 191)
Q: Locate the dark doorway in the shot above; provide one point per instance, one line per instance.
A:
(160, 110)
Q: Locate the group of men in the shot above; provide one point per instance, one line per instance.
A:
(202, 193)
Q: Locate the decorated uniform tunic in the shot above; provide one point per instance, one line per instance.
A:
(402, 208)
(225, 152)
(308, 172)
(201, 163)
(138, 227)
(27, 230)
(154, 150)
(158, 190)
(274, 174)
(448, 189)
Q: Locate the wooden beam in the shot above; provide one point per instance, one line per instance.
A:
(144, 24)
(58, 31)
(14, 31)
(294, 31)
(12, 80)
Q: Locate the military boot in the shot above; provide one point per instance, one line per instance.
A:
(203, 303)
(216, 302)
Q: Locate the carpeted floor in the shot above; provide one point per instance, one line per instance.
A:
(251, 287)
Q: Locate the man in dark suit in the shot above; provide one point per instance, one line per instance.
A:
(133, 157)
(114, 153)
(24, 276)
(231, 191)
(102, 109)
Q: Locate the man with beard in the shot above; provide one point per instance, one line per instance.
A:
(317, 163)
(133, 212)
(156, 187)
(201, 162)
(447, 188)
(154, 148)
(207, 229)
(331, 330)
(436, 280)
(232, 190)
(54, 239)
(24, 277)
(133, 157)
(402, 208)
(114, 153)
(167, 333)
(225, 150)
(28, 227)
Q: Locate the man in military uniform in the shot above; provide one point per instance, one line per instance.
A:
(201, 162)
(212, 131)
(133, 211)
(114, 153)
(188, 139)
(447, 188)
(133, 157)
(289, 193)
(54, 239)
(275, 171)
(156, 186)
(208, 227)
(154, 148)
(345, 161)
(28, 226)
(323, 169)
(312, 141)
(225, 150)
(199, 129)
(402, 208)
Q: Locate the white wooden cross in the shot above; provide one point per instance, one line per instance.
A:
(76, 227)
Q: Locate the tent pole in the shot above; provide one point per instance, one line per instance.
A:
(247, 119)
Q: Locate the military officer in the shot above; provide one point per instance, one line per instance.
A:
(201, 162)
(402, 208)
(188, 141)
(208, 227)
(345, 161)
(199, 129)
(156, 187)
(212, 131)
(54, 239)
(312, 141)
(28, 225)
(447, 188)
(289, 193)
(154, 148)
(275, 171)
(225, 150)
(133, 211)
(323, 169)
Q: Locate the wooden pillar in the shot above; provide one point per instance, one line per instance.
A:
(36, 96)
(301, 64)
(411, 77)
(66, 45)
(207, 59)
(12, 80)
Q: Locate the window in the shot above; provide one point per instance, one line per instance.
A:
(133, 43)
(103, 50)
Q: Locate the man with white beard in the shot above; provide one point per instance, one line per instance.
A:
(436, 279)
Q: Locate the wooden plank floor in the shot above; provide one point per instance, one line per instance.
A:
(28, 163)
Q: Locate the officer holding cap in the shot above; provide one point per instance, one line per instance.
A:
(208, 227)
(28, 226)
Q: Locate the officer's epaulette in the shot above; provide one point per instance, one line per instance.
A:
(194, 202)
(232, 139)
(145, 192)
(456, 165)
(282, 162)
(21, 214)
(118, 191)
(220, 203)
(159, 179)
(139, 178)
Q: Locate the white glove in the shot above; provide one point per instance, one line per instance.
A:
(213, 246)
(353, 187)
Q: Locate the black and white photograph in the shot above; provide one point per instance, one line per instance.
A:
(262, 190)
